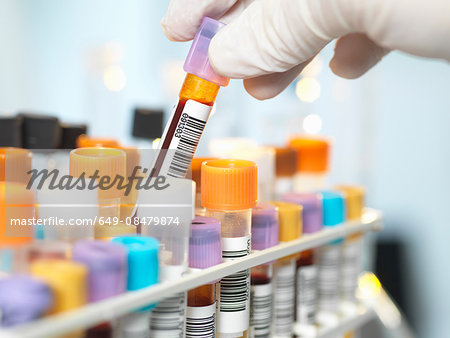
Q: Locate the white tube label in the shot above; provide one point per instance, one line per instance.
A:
(261, 310)
(306, 294)
(351, 267)
(283, 299)
(201, 321)
(234, 301)
(328, 279)
(168, 317)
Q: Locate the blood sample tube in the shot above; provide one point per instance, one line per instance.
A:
(68, 282)
(84, 141)
(307, 268)
(229, 192)
(16, 205)
(290, 228)
(22, 300)
(128, 201)
(264, 235)
(107, 232)
(106, 163)
(49, 249)
(143, 271)
(285, 169)
(196, 167)
(196, 99)
(312, 163)
(205, 250)
(107, 269)
(15, 163)
(328, 257)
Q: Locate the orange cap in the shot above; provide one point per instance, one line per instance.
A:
(108, 161)
(84, 141)
(14, 164)
(285, 161)
(229, 184)
(312, 153)
(16, 202)
(133, 159)
(290, 221)
(127, 203)
(67, 279)
(354, 200)
(196, 167)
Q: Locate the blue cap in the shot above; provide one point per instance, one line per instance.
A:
(333, 208)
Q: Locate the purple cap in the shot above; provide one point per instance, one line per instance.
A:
(264, 226)
(23, 299)
(107, 266)
(205, 247)
(312, 210)
(197, 61)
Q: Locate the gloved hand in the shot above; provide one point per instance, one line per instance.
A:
(269, 42)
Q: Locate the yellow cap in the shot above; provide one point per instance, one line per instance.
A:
(14, 164)
(16, 203)
(67, 279)
(106, 232)
(354, 200)
(108, 161)
(229, 184)
(290, 221)
(84, 141)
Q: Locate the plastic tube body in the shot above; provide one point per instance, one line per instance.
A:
(261, 301)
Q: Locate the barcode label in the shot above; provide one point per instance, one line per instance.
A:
(306, 294)
(167, 318)
(351, 267)
(261, 310)
(201, 321)
(284, 299)
(234, 299)
(185, 139)
(328, 279)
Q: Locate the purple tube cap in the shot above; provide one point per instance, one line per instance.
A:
(23, 299)
(312, 210)
(264, 226)
(107, 267)
(197, 61)
(205, 246)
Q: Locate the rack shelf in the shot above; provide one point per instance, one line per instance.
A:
(106, 310)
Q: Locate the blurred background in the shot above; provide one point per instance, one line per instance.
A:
(95, 61)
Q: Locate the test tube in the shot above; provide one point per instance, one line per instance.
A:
(166, 215)
(22, 300)
(16, 208)
(107, 232)
(110, 165)
(290, 228)
(329, 257)
(128, 201)
(307, 268)
(143, 271)
(107, 269)
(264, 235)
(229, 192)
(205, 250)
(196, 99)
(312, 163)
(68, 282)
(196, 167)
(84, 141)
(15, 163)
(285, 169)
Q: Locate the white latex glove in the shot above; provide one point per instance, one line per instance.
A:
(269, 42)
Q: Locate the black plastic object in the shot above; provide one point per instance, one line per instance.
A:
(10, 131)
(148, 123)
(70, 133)
(40, 131)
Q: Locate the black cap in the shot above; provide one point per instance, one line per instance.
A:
(40, 131)
(148, 123)
(70, 133)
(10, 131)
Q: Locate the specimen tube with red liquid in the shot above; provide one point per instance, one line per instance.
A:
(264, 235)
(196, 98)
(205, 250)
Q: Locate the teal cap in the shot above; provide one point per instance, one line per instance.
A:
(333, 208)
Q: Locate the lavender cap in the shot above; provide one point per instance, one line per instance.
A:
(312, 210)
(197, 61)
(205, 247)
(23, 299)
(107, 266)
(264, 226)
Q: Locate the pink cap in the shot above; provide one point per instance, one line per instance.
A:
(205, 248)
(197, 61)
(264, 226)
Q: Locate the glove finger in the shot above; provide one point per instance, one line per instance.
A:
(354, 55)
(270, 85)
(183, 17)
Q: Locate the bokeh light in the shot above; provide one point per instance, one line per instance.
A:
(308, 89)
(312, 124)
(114, 78)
